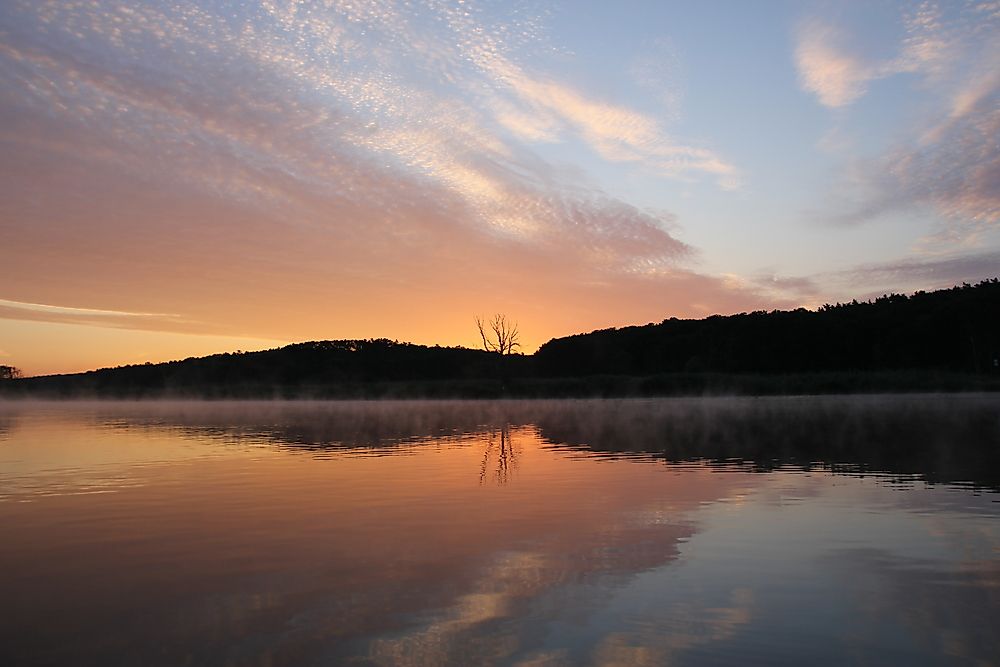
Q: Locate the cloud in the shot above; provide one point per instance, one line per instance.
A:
(19, 310)
(827, 69)
(344, 116)
(920, 273)
(868, 281)
(616, 133)
(246, 167)
(786, 288)
(953, 167)
(949, 160)
(956, 167)
(75, 312)
(839, 75)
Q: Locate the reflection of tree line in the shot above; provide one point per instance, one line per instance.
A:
(311, 426)
(942, 439)
(372, 427)
(499, 446)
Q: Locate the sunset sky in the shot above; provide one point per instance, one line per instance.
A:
(182, 178)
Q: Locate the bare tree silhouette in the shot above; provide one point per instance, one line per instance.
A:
(499, 335)
(9, 372)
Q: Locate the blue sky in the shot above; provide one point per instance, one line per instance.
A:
(184, 177)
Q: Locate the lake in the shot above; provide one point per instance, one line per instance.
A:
(819, 530)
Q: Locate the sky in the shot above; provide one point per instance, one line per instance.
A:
(184, 178)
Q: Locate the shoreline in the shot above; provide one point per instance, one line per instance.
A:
(677, 385)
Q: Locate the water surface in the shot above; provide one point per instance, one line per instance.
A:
(685, 531)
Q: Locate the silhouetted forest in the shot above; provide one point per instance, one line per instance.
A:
(942, 340)
(957, 330)
(321, 368)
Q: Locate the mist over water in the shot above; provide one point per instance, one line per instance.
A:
(831, 530)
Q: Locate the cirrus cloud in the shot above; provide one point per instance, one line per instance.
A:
(171, 157)
(947, 160)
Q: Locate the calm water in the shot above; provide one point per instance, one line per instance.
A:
(691, 532)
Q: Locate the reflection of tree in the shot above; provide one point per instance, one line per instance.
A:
(6, 426)
(500, 445)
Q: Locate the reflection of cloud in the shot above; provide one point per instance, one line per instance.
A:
(473, 582)
(692, 626)
(488, 624)
(929, 600)
(405, 560)
(513, 577)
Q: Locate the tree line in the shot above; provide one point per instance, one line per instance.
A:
(954, 331)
